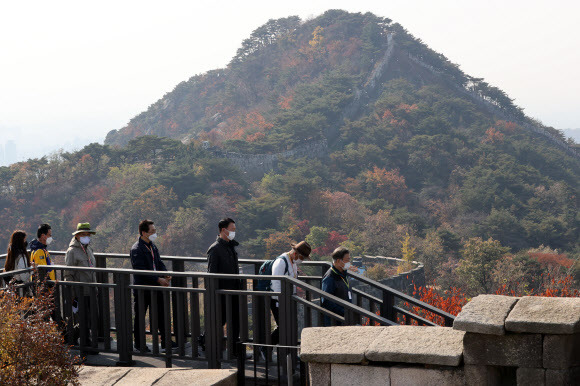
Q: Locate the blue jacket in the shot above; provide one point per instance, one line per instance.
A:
(141, 258)
(335, 283)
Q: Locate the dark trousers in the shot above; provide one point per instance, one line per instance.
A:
(85, 333)
(276, 312)
(235, 311)
(160, 316)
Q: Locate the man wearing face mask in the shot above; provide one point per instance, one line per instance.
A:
(38, 249)
(145, 256)
(80, 254)
(39, 256)
(222, 257)
(335, 282)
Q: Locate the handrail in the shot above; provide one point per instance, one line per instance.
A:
(377, 285)
(402, 296)
(296, 282)
(192, 259)
(340, 301)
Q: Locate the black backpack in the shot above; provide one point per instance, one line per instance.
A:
(266, 269)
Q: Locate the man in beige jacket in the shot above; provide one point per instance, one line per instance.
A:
(80, 254)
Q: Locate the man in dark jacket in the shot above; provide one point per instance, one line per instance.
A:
(145, 256)
(222, 257)
(335, 282)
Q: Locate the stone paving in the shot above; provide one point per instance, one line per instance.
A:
(123, 376)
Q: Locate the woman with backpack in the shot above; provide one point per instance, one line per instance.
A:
(285, 265)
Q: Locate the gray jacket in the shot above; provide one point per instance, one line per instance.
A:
(77, 257)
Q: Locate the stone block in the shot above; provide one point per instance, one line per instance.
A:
(476, 375)
(142, 376)
(417, 376)
(319, 373)
(418, 344)
(105, 376)
(348, 375)
(200, 377)
(561, 351)
(569, 377)
(346, 344)
(485, 314)
(528, 376)
(520, 350)
(545, 315)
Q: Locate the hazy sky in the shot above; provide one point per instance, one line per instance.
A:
(70, 71)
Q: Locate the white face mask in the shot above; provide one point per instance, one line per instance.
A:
(231, 235)
(49, 240)
(153, 237)
(298, 261)
(346, 266)
(85, 240)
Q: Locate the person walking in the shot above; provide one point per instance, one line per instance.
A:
(39, 255)
(80, 254)
(145, 256)
(335, 282)
(222, 257)
(39, 252)
(286, 265)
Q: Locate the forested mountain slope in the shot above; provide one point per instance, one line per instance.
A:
(348, 131)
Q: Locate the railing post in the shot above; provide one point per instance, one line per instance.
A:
(179, 304)
(102, 298)
(258, 313)
(286, 320)
(387, 308)
(241, 353)
(448, 322)
(212, 345)
(123, 319)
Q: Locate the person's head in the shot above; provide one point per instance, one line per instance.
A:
(341, 258)
(300, 252)
(16, 247)
(147, 230)
(83, 233)
(227, 229)
(18, 240)
(44, 234)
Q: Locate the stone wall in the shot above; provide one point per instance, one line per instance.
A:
(495, 340)
(403, 282)
(254, 166)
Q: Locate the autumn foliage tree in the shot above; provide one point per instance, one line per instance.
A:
(32, 349)
(388, 184)
(479, 259)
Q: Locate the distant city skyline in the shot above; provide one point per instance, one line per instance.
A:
(71, 71)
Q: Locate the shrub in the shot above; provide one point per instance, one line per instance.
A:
(32, 350)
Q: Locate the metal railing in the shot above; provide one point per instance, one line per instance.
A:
(104, 311)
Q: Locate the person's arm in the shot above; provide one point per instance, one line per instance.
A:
(329, 286)
(278, 269)
(213, 261)
(69, 259)
(21, 264)
(161, 265)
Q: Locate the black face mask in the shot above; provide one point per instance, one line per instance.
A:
(25, 244)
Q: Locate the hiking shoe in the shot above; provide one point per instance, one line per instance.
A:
(145, 349)
(174, 346)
